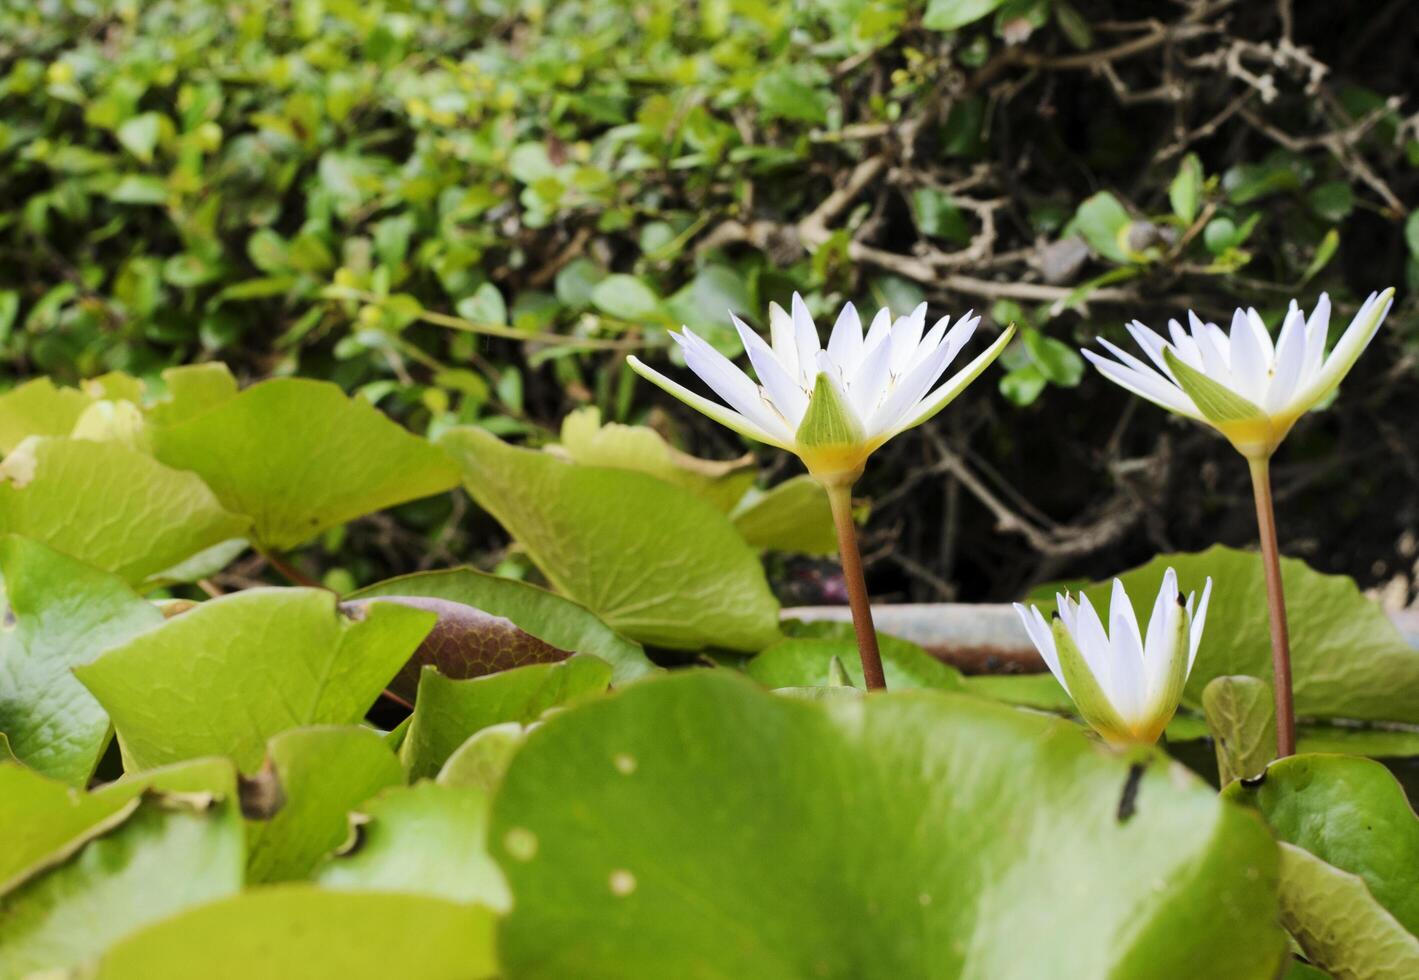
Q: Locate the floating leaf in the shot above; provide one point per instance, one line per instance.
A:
(317, 776)
(654, 562)
(447, 712)
(1338, 923)
(465, 642)
(299, 457)
(481, 760)
(806, 662)
(38, 408)
(957, 822)
(64, 614)
(1241, 715)
(558, 622)
(170, 850)
(311, 933)
(226, 676)
(793, 516)
(427, 839)
(635, 447)
(110, 506)
(192, 389)
(1349, 812)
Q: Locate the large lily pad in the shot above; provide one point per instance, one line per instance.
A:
(167, 850)
(654, 561)
(111, 506)
(1348, 659)
(554, 620)
(299, 457)
(793, 516)
(314, 777)
(288, 931)
(1337, 922)
(226, 676)
(1349, 812)
(64, 614)
(426, 839)
(38, 408)
(447, 712)
(695, 819)
(637, 447)
(806, 661)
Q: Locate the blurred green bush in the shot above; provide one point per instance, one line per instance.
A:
(393, 194)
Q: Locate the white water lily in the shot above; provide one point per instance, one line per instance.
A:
(1126, 684)
(1241, 383)
(834, 405)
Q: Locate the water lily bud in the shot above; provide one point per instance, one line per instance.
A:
(1126, 684)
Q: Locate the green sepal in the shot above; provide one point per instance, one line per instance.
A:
(1093, 704)
(829, 421)
(1216, 401)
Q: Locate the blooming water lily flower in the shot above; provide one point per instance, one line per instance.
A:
(1126, 684)
(831, 406)
(1241, 383)
(1252, 390)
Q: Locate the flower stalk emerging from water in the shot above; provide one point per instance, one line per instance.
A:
(1252, 391)
(833, 406)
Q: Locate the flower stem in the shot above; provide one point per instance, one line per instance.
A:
(840, 498)
(1276, 602)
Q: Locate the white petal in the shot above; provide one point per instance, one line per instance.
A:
(1249, 360)
(782, 388)
(785, 346)
(845, 342)
(1215, 354)
(869, 385)
(1199, 619)
(805, 335)
(957, 383)
(1184, 345)
(1043, 639)
(1290, 356)
(906, 337)
(1150, 386)
(729, 382)
(880, 330)
(1317, 333)
(729, 419)
(1153, 345)
(908, 391)
(1158, 649)
(1093, 641)
(1127, 690)
(1348, 349)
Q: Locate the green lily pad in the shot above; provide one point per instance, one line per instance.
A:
(447, 712)
(1349, 812)
(655, 562)
(65, 614)
(316, 776)
(287, 931)
(113, 507)
(426, 839)
(636, 447)
(694, 818)
(192, 389)
(168, 850)
(805, 662)
(298, 457)
(481, 760)
(1241, 716)
(1348, 659)
(793, 516)
(1338, 923)
(38, 408)
(551, 618)
(226, 676)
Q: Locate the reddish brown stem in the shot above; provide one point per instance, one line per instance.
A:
(1276, 603)
(292, 574)
(840, 498)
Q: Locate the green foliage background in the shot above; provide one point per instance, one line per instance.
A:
(298, 188)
